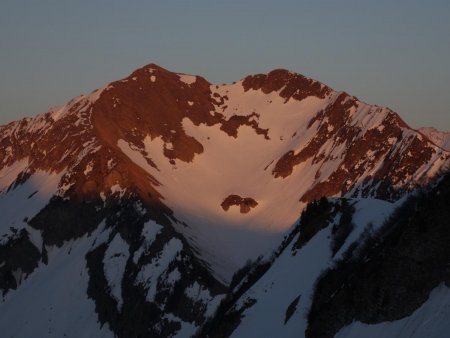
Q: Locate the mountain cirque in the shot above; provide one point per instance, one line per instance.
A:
(163, 181)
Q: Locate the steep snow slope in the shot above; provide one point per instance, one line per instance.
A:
(52, 302)
(118, 272)
(430, 320)
(289, 283)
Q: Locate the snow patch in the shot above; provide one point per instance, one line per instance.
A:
(150, 230)
(117, 189)
(115, 261)
(111, 164)
(89, 168)
(169, 146)
(188, 79)
(149, 274)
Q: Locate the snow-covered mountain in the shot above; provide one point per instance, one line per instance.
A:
(136, 204)
(440, 138)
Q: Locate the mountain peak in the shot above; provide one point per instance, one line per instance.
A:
(278, 140)
(149, 68)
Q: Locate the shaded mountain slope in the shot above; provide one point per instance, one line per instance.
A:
(394, 272)
(350, 268)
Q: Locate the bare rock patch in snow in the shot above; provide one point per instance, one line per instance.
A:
(289, 85)
(245, 204)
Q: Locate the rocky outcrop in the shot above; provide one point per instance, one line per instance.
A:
(18, 258)
(394, 271)
(244, 204)
(290, 85)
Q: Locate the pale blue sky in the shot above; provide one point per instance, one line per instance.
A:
(390, 53)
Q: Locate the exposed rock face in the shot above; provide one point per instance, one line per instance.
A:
(244, 204)
(289, 85)
(18, 256)
(395, 271)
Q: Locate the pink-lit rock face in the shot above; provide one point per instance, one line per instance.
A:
(245, 204)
